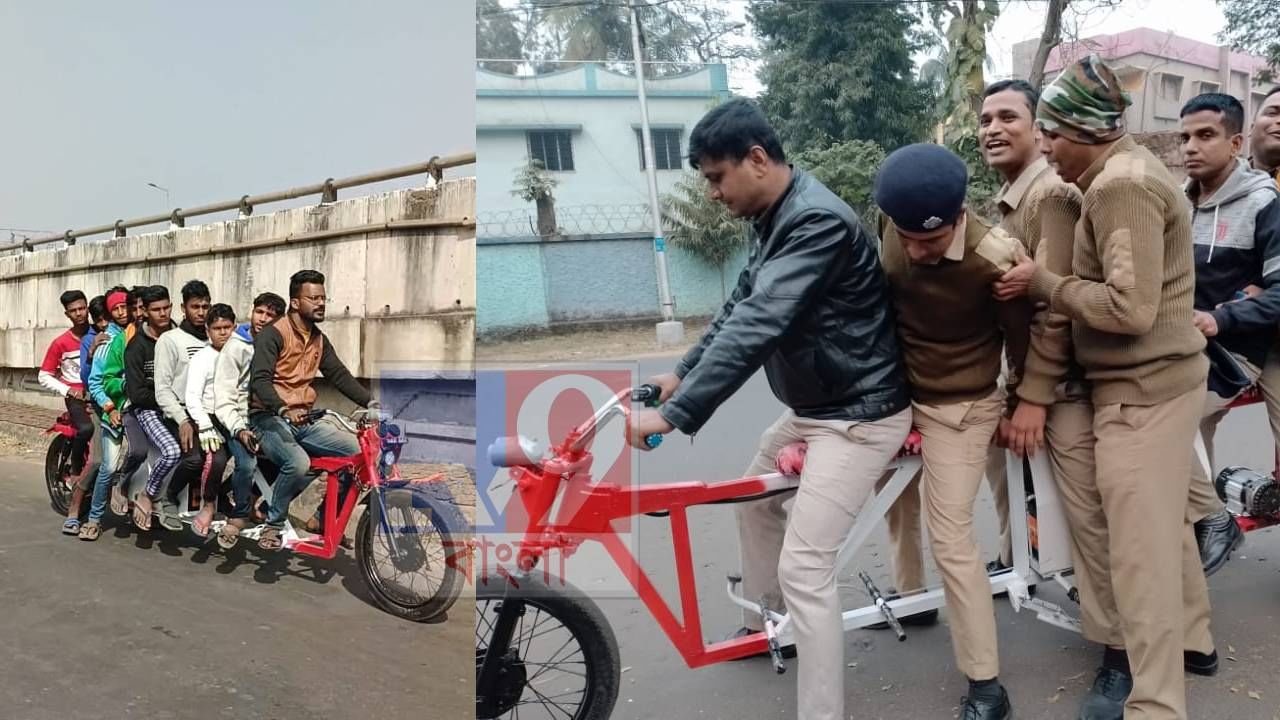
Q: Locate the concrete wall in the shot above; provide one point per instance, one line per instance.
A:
(401, 310)
(533, 285)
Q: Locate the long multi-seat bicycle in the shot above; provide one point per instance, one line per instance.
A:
(546, 649)
(405, 541)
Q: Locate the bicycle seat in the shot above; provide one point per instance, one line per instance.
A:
(1250, 396)
(790, 459)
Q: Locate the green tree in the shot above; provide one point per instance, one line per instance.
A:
(1254, 26)
(702, 226)
(849, 169)
(966, 56)
(842, 71)
(497, 37)
(534, 184)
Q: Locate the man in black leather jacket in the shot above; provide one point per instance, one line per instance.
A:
(813, 308)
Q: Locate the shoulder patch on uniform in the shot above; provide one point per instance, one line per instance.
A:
(997, 248)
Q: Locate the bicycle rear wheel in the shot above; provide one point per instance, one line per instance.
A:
(57, 467)
(562, 659)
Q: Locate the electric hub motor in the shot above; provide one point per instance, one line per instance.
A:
(1248, 492)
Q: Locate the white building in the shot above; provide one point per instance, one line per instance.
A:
(584, 125)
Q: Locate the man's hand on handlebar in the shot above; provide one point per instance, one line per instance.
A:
(667, 382)
(297, 416)
(645, 423)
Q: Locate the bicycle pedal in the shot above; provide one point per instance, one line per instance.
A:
(771, 632)
(734, 578)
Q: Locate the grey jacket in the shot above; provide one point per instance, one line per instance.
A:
(1236, 235)
(231, 381)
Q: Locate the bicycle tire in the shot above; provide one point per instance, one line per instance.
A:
(56, 458)
(584, 620)
(452, 528)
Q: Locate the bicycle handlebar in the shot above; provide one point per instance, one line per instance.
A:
(520, 451)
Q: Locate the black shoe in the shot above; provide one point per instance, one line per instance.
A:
(924, 618)
(1199, 663)
(788, 651)
(982, 709)
(1218, 536)
(1105, 700)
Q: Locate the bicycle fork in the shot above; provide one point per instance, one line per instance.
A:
(510, 610)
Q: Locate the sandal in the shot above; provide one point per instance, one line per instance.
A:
(119, 503)
(71, 527)
(141, 517)
(90, 531)
(229, 535)
(270, 538)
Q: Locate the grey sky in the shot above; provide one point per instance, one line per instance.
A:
(218, 99)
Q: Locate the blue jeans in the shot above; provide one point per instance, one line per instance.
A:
(110, 461)
(290, 448)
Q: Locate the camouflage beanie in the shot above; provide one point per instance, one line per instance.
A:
(1085, 103)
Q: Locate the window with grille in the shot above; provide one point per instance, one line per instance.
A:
(1170, 87)
(666, 149)
(552, 148)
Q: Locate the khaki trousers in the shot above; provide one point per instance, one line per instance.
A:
(792, 564)
(1269, 383)
(1204, 500)
(1155, 578)
(955, 447)
(905, 543)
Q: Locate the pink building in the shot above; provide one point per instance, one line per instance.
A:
(1162, 71)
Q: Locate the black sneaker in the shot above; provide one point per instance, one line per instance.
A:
(983, 709)
(1105, 700)
(1218, 536)
(1199, 663)
(788, 651)
(924, 618)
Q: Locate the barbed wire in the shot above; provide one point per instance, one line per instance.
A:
(570, 220)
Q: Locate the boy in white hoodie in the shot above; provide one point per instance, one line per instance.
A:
(174, 351)
(200, 403)
(231, 407)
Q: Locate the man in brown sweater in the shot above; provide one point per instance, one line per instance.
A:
(1129, 300)
(941, 262)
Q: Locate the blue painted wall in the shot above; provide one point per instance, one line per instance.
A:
(530, 285)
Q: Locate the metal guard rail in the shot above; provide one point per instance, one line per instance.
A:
(328, 190)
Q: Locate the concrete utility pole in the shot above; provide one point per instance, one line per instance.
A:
(670, 330)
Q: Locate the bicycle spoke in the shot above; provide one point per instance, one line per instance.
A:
(546, 700)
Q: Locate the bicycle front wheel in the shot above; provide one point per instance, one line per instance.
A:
(406, 545)
(561, 660)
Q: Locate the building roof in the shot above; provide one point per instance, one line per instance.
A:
(1150, 42)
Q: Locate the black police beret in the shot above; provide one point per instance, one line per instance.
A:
(921, 187)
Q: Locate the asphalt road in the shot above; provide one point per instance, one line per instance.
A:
(1045, 668)
(155, 626)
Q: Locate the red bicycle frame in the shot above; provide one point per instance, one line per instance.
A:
(589, 513)
(363, 467)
